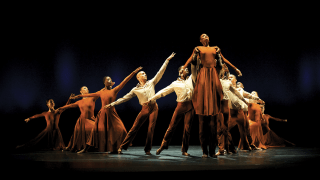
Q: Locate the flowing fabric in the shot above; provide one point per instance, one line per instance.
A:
(81, 133)
(255, 116)
(108, 131)
(207, 92)
(50, 137)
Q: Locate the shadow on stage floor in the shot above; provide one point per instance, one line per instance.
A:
(286, 160)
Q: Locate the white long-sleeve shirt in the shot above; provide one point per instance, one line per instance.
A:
(182, 88)
(144, 92)
(233, 95)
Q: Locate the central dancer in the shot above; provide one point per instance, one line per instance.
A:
(144, 90)
(208, 93)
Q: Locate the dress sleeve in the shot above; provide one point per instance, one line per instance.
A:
(37, 116)
(97, 94)
(190, 59)
(124, 82)
(277, 119)
(73, 105)
(227, 62)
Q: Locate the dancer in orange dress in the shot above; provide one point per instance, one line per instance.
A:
(85, 122)
(207, 93)
(51, 134)
(255, 116)
(108, 131)
(270, 138)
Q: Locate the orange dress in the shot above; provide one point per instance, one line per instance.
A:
(270, 138)
(108, 132)
(208, 93)
(51, 135)
(255, 116)
(84, 124)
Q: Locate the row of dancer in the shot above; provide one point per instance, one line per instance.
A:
(200, 94)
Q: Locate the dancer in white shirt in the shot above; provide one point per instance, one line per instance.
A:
(232, 100)
(183, 87)
(144, 90)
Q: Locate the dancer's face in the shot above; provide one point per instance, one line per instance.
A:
(142, 76)
(240, 85)
(254, 93)
(232, 79)
(84, 90)
(50, 104)
(184, 72)
(108, 81)
(204, 39)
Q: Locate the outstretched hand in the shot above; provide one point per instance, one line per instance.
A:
(74, 97)
(171, 56)
(238, 72)
(138, 69)
(27, 120)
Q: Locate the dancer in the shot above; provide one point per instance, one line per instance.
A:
(207, 93)
(84, 123)
(255, 115)
(144, 90)
(232, 100)
(108, 130)
(183, 87)
(270, 138)
(51, 133)
(239, 116)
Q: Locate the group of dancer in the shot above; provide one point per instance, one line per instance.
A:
(210, 91)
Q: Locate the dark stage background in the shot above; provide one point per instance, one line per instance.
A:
(51, 54)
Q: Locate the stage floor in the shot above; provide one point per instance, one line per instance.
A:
(291, 160)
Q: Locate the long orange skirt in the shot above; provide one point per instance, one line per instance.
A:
(108, 131)
(208, 93)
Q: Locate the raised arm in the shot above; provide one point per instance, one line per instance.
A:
(194, 52)
(160, 73)
(34, 117)
(96, 95)
(124, 82)
(69, 100)
(73, 105)
(125, 98)
(229, 63)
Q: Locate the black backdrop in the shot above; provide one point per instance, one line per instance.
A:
(51, 54)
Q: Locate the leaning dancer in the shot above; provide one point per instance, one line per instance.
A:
(270, 138)
(144, 91)
(51, 133)
(183, 87)
(84, 125)
(207, 93)
(108, 130)
(232, 101)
